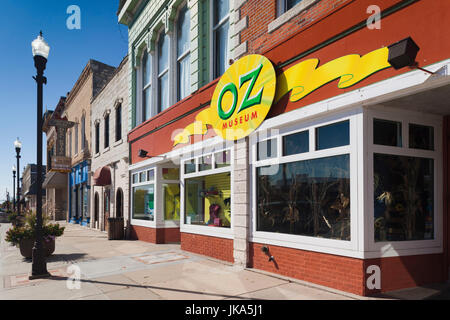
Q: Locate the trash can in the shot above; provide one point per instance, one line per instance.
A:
(115, 228)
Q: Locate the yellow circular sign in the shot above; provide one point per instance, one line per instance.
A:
(243, 97)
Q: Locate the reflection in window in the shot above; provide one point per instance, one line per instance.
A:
(183, 54)
(205, 163)
(146, 86)
(144, 203)
(222, 159)
(208, 200)
(150, 175)
(309, 198)
(267, 149)
(189, 166)
(387, 133)
(296, 143)
(171, 201)
(333, 135)
(404, 193)
(421, 137)
(163, 72)
(171, 173)
(285, 5)
(220, 30)
(142, 177)
(135, 178)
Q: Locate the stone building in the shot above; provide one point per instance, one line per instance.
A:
(29, 187)
(109, 145)
(78, 110)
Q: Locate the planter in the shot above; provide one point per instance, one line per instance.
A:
(26, 248)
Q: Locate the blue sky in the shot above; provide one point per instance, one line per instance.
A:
(100, 38)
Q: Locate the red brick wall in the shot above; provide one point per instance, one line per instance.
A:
(259, 40)
(336, 272)
(153, 235)
(217, 248)
(406, 272)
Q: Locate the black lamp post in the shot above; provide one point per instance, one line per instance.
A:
(40, 53)
(18, 146)
(14, 188)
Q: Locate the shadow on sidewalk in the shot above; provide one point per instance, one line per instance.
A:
(71, 257)
(58, 278)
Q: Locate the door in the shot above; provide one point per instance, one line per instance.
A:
(96, 209)
(119, 203)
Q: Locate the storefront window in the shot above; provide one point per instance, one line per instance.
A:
(267, 149)
(387, 133)
(222, 159)
(308, 198)
(421, 137)
(189, 166)
(296, 143)
(205, 163)
(171, 201)
(142, 177)
(150, 175)
(135, 178)
(403, 198)
(333, 135)
(171, 173)
(208, 200)
(144, 203)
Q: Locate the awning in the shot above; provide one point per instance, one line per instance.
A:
(55, 180)
(102, 177)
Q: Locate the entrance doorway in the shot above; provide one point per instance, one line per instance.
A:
(105, 210)
(119, 203)
(96, 210)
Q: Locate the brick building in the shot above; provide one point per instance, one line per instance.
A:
(78, 110)
(29, 187)
(336, 170)
(109, 175)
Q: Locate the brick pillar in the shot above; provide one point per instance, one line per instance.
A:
(240, 203)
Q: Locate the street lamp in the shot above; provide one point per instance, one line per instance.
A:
(40, 50)
(14, 188)
(18, 146)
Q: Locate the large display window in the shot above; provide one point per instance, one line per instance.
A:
(207, 190)
(143, 196)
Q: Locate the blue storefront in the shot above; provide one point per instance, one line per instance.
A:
(79, 194)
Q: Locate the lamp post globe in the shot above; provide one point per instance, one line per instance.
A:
(18, 147)
(40, 50)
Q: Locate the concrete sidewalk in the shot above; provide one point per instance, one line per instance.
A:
(137, 270)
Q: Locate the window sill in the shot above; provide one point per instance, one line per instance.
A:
(106, 150)
(291, 13)
(97, 155)
(117, 143)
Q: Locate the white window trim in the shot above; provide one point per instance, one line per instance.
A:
(212, 38)
(339, 247)
(289, 14)
(139, 222)
(184, 54)
(399, 248)
(219, 232)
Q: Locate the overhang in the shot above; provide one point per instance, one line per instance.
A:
(55, 180)
(102, 177)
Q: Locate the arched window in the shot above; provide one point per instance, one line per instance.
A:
(163, 72)
(76, 138)
(83, 132)
(183, 54)
(119, 122)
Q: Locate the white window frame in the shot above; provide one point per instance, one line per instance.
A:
(138, 222)
(332, 246)
(284, 15)
(164, 72)
(219, 232)
(212, 39)
(399, 248)
(184, 54)
(160, 204)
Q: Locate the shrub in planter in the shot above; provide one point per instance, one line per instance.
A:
(24, 236)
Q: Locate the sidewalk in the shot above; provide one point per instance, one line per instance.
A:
(137, 270)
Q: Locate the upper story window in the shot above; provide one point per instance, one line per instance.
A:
(106, 134)
(83, 132)
(221, 10)
(146, 86)
(163, 72)
(76, 138)
(119, 122)
(183, 54)
(70, 143)
(285, 5)
(97, 137)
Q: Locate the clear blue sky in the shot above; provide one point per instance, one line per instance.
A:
(100, 38)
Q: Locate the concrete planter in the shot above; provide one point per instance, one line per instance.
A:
(26, 247)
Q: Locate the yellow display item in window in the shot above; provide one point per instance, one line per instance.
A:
(172, 202)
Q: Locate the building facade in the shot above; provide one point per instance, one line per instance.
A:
(336, 169)
(109, 166)
(58, 163)
(29, 187)
(78, 110)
